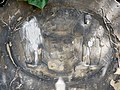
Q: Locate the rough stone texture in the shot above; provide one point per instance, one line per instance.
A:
(99, 75)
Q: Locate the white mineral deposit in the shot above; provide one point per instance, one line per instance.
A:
(60, 84)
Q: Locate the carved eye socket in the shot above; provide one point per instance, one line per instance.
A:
(2, 3)
(118, 1)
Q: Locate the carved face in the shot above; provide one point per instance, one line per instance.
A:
(61, 42)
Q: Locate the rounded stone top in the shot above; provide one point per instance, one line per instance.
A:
(62, 42)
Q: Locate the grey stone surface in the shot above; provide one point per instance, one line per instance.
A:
(76, 30)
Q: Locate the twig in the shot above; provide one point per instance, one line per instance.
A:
(5, 23)
(10, 55)
(15, 77)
